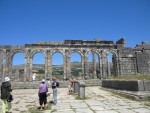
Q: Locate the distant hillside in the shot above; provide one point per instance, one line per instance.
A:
(41, 66)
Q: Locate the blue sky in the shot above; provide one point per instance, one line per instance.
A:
(28, 21)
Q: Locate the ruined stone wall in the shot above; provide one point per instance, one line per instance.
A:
(127, 61)
(135, 60)
(143, 58)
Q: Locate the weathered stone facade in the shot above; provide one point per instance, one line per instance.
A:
(124, 60)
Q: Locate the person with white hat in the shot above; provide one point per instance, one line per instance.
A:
(43, 89)
(5, 93)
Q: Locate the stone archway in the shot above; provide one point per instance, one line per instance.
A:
(60, 70)
(16, 72)
(109, 68)
(44, 66)
(93, 65)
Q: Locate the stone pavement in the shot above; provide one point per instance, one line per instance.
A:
(97, 101)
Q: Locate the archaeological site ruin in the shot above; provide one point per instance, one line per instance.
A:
(125, 60)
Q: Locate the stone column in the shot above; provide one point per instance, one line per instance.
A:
(65, 67)
(28, 68)
(50, 66)
(102, 58)
(108, 65)
(100, 66)
(94, 65)
(1, 65)
(9, 67)
(103, 67)
(46, 68)
(86, 66)
(83, 67)
(68, 66)
(5, 68)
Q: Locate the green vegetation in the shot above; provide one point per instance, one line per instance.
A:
(57, 72)
(37, 74)
(41, 71)
(78, 98)
(35, 110)
(130, 77)
(75, 71)
(147, 104)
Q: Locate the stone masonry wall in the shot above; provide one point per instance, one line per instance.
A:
(130, 85)
(127, 61)
(143, 61)
(63, 84)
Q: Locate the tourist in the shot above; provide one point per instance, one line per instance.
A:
(5, 93)
(34, 76)
(70, 87)
(54, 88)
(43, 89)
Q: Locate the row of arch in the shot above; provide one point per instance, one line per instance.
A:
(29, 54)
(63, 52)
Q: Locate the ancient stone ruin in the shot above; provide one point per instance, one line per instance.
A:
(125, 60)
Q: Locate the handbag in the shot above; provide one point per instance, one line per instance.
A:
(9, 98)
(48, 93)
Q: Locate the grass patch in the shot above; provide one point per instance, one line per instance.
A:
(16, 109)
(130, 77)
(147, 104)
(23, 111)
(73, 93)
(54, 110)
(147, 99)
(35, 110)
(78, 98)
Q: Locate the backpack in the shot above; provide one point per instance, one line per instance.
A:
(57, 84)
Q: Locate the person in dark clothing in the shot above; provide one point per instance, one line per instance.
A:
(5, 92)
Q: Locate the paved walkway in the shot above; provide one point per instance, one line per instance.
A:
(98, 101)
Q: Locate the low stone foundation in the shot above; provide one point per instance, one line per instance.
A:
(63, 84)
(130, 85)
